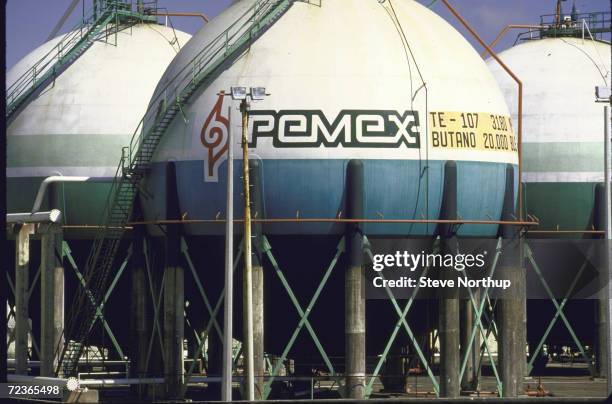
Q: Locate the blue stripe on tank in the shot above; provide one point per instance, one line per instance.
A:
(395, 189)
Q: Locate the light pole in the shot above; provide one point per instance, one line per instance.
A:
(242, 94)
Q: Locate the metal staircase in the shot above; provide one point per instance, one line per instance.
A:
(67, 50)
(165, 106)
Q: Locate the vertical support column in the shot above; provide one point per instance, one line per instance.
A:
(449, 301)
(51, 299)
(511, 346)
(22, 284)
(601, 346)
(140, 324)
(257, 279)
(608, 203)
(354, 300)
(174, 299)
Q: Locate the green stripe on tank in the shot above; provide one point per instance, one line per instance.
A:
(563, 157)
(65, 150)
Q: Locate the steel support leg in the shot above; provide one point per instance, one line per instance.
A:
(257, 278)
(140, 324)
(602, 345)
(449, 301)
(354, 299)
(174, 299)
(512, 340)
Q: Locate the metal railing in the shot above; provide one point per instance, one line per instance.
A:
(68, 49)
(598, 23)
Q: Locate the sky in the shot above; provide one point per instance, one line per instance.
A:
(29, 22)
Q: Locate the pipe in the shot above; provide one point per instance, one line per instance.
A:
(60, 178)
(126, 381)
(31, 364)
(335, 220)
(202, 16)
(520, 99)
(53, 216)
(506, 29)
(93, 226)
(567, 231)
(53, 381)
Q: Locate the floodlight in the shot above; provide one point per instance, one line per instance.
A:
(603, 92)
(239, 93)
(258, 93)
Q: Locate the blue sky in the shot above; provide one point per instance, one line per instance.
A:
(29, 22)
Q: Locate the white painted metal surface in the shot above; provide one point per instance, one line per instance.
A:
(103, 95)
(562, 123)
(344, 55)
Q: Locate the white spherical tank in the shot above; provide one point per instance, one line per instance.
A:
(393, 85)
(77, 125)
(563, 125)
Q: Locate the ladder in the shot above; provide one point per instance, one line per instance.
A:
(165, 106)
(62, 55)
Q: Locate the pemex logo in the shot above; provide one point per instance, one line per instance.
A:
(214, 137)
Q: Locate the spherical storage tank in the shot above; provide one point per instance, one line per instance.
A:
(563, 126)
(398, 88)
(78, 124)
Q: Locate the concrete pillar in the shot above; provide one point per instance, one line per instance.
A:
(140, 326)
(51, 299)
(174, 299)
(257, 278)
(22, 284)
(511, 346)
(601, 345)
(354, 299)
(448, 316)
(173, 330)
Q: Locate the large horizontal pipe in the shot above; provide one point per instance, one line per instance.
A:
(32, 364)
(47, 381)
(52, 216)
(567, 232)
(121, 381)
(60, 178)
